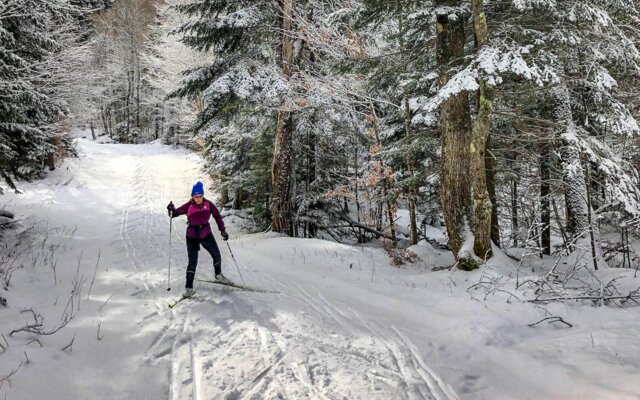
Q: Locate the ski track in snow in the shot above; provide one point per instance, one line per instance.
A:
(229, 344)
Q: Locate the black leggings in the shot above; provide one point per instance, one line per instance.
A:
(193, 246)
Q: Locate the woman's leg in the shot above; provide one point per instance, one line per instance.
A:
(209, 243)
(192, 251)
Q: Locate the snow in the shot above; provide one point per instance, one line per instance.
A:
(345, 323)
(492, 64)
(531, 4)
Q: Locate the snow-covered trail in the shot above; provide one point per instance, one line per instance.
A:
(103, 214)
(93, 250)
(99, 215)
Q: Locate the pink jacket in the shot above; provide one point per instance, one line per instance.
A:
(198, 217)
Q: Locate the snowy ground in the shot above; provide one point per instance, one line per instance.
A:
(344, 325)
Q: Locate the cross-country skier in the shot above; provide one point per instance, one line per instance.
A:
(198, 211)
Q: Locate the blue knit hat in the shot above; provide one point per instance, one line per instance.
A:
(197, 189)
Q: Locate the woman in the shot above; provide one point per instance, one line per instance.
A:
(198, 211)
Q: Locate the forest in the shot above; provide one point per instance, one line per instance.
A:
(434, 199)
(512, 123)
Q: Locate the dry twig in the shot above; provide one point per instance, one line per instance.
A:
(552, 320)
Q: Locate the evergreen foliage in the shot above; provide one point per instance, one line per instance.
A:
(32, 32)
(335, 119)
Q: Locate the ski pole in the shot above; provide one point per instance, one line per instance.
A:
(236, 263)
(170, 234)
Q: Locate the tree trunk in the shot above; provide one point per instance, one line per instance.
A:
(573, 176)
(311, 176)
(138, 84)
(514, 212)
(356, 168)
(281, 175)
(237, 198)
(163, 119)
(93, 130)
(411, 190)
(9, 181)
(545, 192)
(103, 118)
(491, 188)
(224, 192)
(156, 121)
(481, 131)
(385, 182)
(455, 126)
(281, 218)
(563, 232)
(112, 121)
(127, 109)
(592, 236)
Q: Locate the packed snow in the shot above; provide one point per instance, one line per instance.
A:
(91, 250)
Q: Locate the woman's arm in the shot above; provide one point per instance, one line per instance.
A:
(216, 216)
(182, 209)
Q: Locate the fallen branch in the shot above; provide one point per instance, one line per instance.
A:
(94, 275)
(69, 346)
(5, 345)
(6, 378)
(107, 300)
(6, 214)
(448, 268)
(37, 327)
(552, 320)
(632, 297)
(35, 341)
(355, 224)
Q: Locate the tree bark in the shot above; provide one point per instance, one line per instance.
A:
(481, 131)
(93, 130)
(545, 192)
(411, 190)
(9, 181)
(224, 192)
(103, 117)
(455, 127)
(361, 238)
(491, 187)
(138, 84)
(594, 254)
(573, 176)
(127, 109)
(281, 218)
(385, 181)
(514, 212)
(237, 198)
(156, 121)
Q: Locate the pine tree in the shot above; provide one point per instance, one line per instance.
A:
(393, 71)
(243, 80)
(30, 36)
(582, 49)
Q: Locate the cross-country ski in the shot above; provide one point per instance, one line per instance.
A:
(238, 286)
(178, 301)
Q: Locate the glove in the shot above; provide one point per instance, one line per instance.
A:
(225, 235)
(171, 209)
